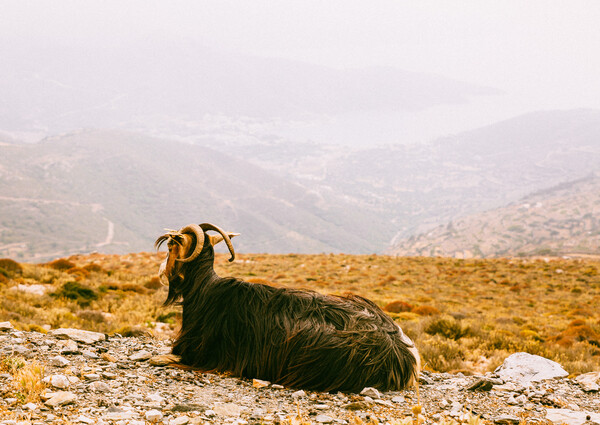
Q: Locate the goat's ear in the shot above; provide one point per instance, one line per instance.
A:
(215, 239)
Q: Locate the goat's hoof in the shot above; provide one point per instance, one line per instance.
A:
(164, 360)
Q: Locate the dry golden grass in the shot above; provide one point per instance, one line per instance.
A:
(26, 384)
(465, 315)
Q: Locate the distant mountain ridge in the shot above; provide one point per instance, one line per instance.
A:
(170, 85)
(562, 220)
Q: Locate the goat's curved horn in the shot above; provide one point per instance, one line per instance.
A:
(199, 233)
(208, 226)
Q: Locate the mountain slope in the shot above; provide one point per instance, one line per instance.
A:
(116, 191)
(561, 220)
(418, 187)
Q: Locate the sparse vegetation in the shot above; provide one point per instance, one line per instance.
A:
(464, 315)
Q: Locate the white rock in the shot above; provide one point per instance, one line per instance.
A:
(524, 368)
(141, 355)
(182, 420)
(61, 398)
(227, 410)
(59, 361)
(35, 289)
(589, 381)
(570, 417)
(30, 406)
(91, 377)
(298, 394)
(85, 420)
(57, 381)
(153, 415)
(99, 387)
(69, 347)
(156, 398)
(371, 392)
(85, 337)
(6, 326)
(210, 414)
(324, 419)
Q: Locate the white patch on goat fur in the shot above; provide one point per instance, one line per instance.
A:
(162, 273)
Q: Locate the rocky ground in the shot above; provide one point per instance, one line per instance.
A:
(93, 379)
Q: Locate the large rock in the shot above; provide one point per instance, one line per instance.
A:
(85, 337)
(571, 417)
(523, 368)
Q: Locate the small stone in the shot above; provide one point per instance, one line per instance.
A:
(30, 406)
(522, 399)
(164, 359)
(153, 415)
(506, 420)
(482, 384)
(6, 326)
(99, 387)
(89, 354)
(57, 381)
(277, 387)
(298, 394)
(324, 419)
(357, 405)
(398, 399)
(140, 356)
(109, 375)
(370, 392)
(155, 398)
(108, 357)
(69, 347)
(259, 383)
(182, 420)
(61, 398)
(589, 382)
(210, 414)
(85, 337)
(91, 377)
(85, 420)
(59, 361)
(228, 410)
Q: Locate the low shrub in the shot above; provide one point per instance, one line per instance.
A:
(397, 307)
(448, 327)
(84, 295)
(426, 310)
(10, 267)
(61, 264)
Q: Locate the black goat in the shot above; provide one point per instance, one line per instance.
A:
(299, 339)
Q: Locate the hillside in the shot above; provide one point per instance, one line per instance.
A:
(417, 187)
(562, 220)
(116, 191)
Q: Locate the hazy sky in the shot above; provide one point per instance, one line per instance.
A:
(544, 54)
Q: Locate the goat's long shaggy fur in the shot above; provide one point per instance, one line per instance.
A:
(300, 339)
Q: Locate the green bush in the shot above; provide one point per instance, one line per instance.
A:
(448, 327)
(75, 291)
